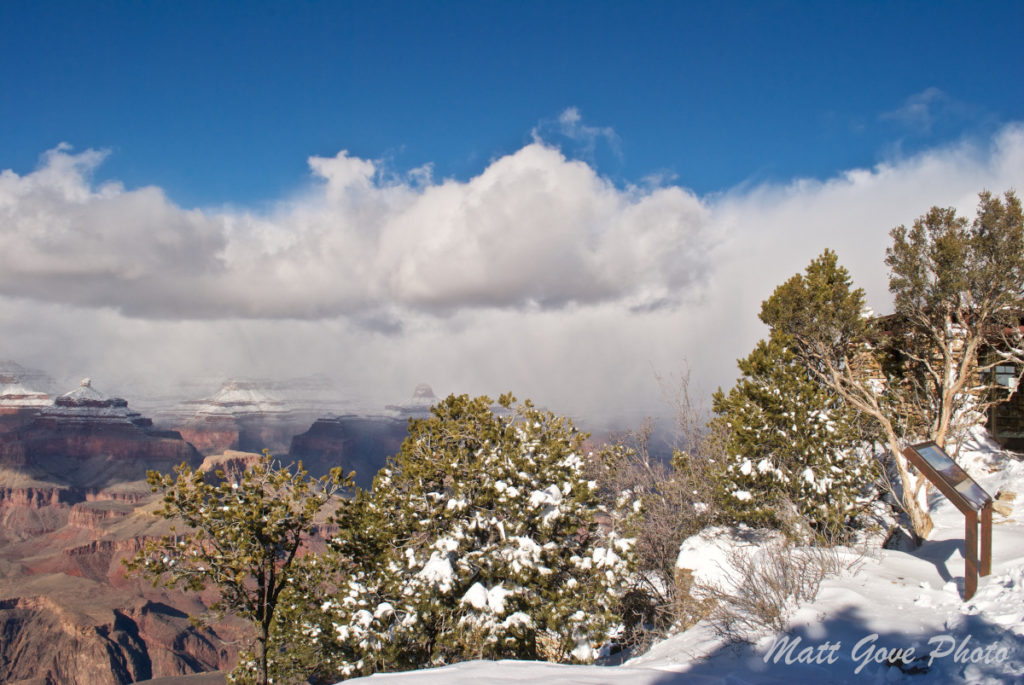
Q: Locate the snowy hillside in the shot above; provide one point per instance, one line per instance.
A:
(892, 601)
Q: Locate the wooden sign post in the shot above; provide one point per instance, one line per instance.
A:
(976, 505)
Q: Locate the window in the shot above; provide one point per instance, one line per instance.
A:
(1006, 376)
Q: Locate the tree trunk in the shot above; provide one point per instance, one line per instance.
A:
(915, 494)
(914, 499)
(945, 418)
(261, 657)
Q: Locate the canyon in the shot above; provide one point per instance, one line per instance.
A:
(74, 503)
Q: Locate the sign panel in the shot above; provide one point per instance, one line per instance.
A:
(955, 477)
(976, 505)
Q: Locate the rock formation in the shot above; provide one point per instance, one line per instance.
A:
(355, 443)
(231, 463)
(12, 372)
(360, 443)
(73, 505)
(14, 396)
(20, 402)
(68, 615)
(418, 406)
(88, 440)
(240, 416)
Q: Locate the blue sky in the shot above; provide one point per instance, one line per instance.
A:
(222, 102)
(568, 200)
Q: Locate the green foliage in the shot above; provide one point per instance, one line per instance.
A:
(791, 443)
(924, 373)
(819, 315)
(802, 403)
(819, 310)
(243, 539)
(478, 540)
(944, 267)
(958, 289)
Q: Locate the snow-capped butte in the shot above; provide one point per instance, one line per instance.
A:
(423, 398)
(87, 404)
(239, 397)
(15, 395)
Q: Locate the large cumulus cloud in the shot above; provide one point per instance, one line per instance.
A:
(533, 230)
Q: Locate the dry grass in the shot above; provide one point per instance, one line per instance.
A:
(763, 587)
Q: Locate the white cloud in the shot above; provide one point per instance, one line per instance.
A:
(922, 112)
(917, 111)
(537, 276)
(534, 229)
(63, 240)
(569, 127)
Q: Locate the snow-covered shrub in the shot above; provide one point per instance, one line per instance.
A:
(760, 586)
(792, 452)
(478, 540)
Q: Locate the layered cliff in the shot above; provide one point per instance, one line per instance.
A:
(45, 641)
(69, 614)
(355, 443)
(85, 440)
(241, 416)
(73, 505)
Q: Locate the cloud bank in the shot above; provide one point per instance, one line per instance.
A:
(538, 275)
(534, 230)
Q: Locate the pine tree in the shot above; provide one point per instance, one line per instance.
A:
(791, 443)
(823, 315)
(478, 540)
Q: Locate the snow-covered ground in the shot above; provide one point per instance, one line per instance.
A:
(892, 601)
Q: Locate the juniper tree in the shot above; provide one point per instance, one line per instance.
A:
(479, 539)
(958, 290)
(792, 444)
(242, 538)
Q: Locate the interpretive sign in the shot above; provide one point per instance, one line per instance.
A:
(953, 482)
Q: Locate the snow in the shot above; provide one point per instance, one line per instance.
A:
(526, 553)
(438, 571)
(890, 603)
(456, 504)
(706, 555)
(496, 598)
(423, 398)
(239, 397)
(17, 395)
(85, 393)
(481, 598)
(85, 404)
(476, 596)
(90, 413)
(551, 496)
